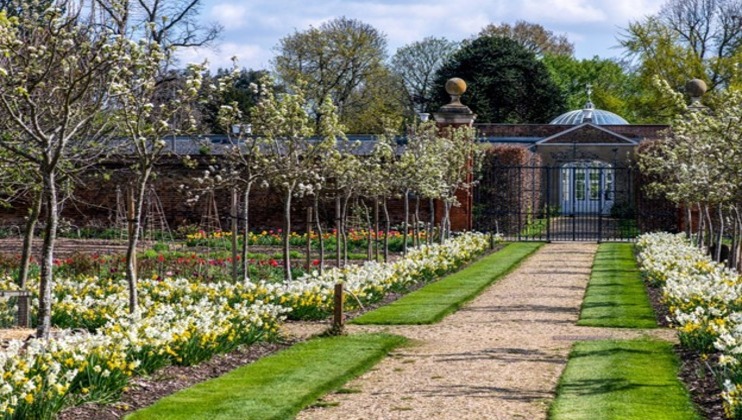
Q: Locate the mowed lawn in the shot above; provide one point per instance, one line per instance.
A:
(626, 380)
(616, 295)
(277, 386)
(433, 302)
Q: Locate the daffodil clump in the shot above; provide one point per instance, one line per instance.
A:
(311, 296)
(705, 302)
(39, 378)
(183, 322)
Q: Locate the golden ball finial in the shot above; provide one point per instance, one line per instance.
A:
(455, 86)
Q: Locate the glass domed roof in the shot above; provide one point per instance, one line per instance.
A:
(591, 115)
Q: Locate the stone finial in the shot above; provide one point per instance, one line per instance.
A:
(455, 87)
(696, 88)
(454, 113)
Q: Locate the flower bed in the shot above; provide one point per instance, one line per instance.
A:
(705, 303)
(184, 322)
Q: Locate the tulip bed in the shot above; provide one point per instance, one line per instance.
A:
(184, 322)
(705, 303)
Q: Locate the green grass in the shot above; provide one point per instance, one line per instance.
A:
(436, 300)
(616, 296)
(622, 380)
(277, 386)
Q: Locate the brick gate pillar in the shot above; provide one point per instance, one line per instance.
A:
(455, 114)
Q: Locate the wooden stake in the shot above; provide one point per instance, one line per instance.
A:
(338, 316)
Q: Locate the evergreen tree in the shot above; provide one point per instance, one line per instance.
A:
(506, 83)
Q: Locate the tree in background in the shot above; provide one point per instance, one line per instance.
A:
(337, 59)
(506, 82)
(611, 86)
(235, 89)
(171, 24)
(686, 39)
(417, 64)
(533, 37)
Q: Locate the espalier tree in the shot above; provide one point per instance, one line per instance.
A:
(699, 166)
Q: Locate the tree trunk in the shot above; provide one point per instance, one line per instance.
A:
(369, 229)
(406, 221)
(701, 227)
(319, 235)
(287, 236)
(710, 236)
(246, 235)
(376, 228)
(344, 224)
(416, 220)
(338, 221)
(445, 223)
(387, 227)
(309, 238)
(431, 225)
(136, 203)
(28, 237)
(235, 231)
(47, 259)
(719, 241)
(689, 221)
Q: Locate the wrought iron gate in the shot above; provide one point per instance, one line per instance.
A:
(578, 201)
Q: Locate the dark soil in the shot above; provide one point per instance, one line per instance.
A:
(145, 391)
(694, 370)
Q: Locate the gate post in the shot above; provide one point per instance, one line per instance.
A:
(454, 115)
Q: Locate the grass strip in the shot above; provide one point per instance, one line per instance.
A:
(622, 380)
(616, 296)
(277, 386)
(431, 303)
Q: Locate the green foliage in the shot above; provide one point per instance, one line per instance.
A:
(433, 302)
(684, 40)
(623, 380)
(533, 37)
(611, 86)
(506, 83)
(280, 385)
(616, 296)
(339, 59)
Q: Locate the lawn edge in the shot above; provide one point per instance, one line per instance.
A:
(456, 305)
(582, 323)
(361, 365)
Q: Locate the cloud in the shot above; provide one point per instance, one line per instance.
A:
(230, 15)
(562, 11)
(253, 29)
(248, 55)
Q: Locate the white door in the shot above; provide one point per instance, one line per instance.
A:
(587, 187)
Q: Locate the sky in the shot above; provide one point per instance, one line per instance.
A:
(253, 28)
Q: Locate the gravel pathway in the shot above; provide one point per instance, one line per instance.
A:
(498, 358)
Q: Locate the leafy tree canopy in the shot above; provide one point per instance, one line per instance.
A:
(610, 85)
(534, 37)
(684, 40)
(337, 59)
(506, 83)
